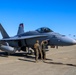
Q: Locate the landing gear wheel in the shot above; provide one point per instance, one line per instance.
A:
(30, 52)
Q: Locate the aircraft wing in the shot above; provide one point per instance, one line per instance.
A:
(23, 37)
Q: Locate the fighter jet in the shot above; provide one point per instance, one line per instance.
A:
(28, 39)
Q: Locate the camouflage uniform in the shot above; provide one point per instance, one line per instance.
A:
(37, 50)
(43, 46)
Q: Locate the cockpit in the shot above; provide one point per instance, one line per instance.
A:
(44, 30)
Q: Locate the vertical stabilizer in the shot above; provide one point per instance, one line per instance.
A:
(20, 29)
(3, 32)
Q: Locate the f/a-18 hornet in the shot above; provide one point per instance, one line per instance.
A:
(28, 39)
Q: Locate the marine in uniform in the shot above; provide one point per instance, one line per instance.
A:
(43, 47)
(37, 50)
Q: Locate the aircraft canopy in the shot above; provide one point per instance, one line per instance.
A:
(44, 30)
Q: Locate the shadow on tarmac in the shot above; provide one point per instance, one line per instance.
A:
(59, 63)
(4, 54)
(26, 60)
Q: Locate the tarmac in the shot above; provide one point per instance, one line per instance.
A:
(61, 61)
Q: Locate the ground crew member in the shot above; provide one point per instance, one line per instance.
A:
(43, 46)
(37, 50)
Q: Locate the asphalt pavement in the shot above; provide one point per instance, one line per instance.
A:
(61, 61)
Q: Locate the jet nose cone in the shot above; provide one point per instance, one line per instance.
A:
(70, 41)
(74, 42)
